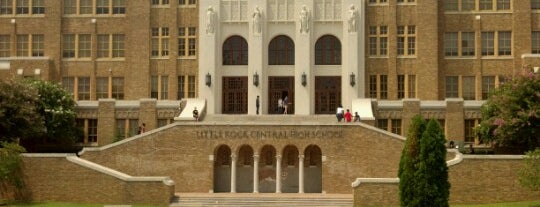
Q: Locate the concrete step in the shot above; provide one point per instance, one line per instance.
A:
(259, 200)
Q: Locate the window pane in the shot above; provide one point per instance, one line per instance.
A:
(102, 6)
(23, 7)
(5, 46)
(92, 130)
(6, 7)
(382, 124)
(85, 45)
(328, 51)
(235, 51)
(469, 130)
(69, 46)
(488, 43)
(192, 46)
(181, 87)
(22, 45)
(118, 45)
(486, 5)
(401, 86)
(103, 46)
(505, 43)
(467, 44)
(468, 5)
(102, 87)
(451, 5)
(68, 84)
(503, 4)
(396, 126)
(488, 84)
(384, 86)
(191, 86)
(535, 4)
(38, 7)
(120, 128)
(181, 47)
(118, 88)
(281, 51)
(535, 42)
(164, 87)
(468, 88)
(154, 87)
(451, 86)
(86, 7)
(412, 86)
(119, 6)
(83, 88)
(451, 44)
(37, 45)
(373, 86)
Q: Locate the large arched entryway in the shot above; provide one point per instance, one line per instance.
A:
(313, 169)
(267, 170)
(222, 169)
(244, 170)
(289, 171)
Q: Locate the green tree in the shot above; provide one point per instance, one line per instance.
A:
(57, 108)
(18, 115)
(10, 169)
(432, 173)
(529, 175)
(511, 115)
(408, 164)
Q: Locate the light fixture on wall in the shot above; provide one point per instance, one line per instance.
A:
(304, 79)
(208, 80)
(256, 79)
(352, 79)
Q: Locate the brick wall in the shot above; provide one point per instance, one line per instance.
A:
(54, 177)
(474, 180)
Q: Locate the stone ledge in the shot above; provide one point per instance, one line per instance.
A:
(359, 181)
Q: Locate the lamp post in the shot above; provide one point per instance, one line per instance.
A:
(208, 80)
(304, 79)
(352, 79)
(256, 79)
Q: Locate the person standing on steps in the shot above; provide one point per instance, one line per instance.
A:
(348, 116)
(196, 114)
(356, 117)
(339, 113)
(257, 104)
(280, 105)
(285, 104)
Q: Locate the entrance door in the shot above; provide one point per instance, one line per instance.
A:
(280, 87)
(235, 92)
(327, 94)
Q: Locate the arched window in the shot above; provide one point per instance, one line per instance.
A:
(328, 51)
(281, 51)
(235, 51)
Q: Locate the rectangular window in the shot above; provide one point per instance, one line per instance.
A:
(488, 43)
(373, 40)
(133, 127)
(488, 85)
(468, 5)
(486, 5)
(92, 130)
(535, 4)
(85, 45)
(406, 40)
(6, 7)
(160, 41)
(382, 124)
(535, 42)
(38, 7)
(5, 48)
(505, 43)
(120, 128)
(38, 49)
(467, 43)
(119, 6)
(23, 7)
(451, 5)
(384, 86)
(102, 87)
(162, 122)
(68, 46)
(102, 6)
(83, 88)
(373, 86)
(191, 86)
(503, 4)
(86, 7)
(160, 2)
(68, 83)
(401, 86)
(412, 86)
(164, 87)
(181, 87)
(154, 91)
(383, 40)
(452, 87)
(118, 46)
(103, 46)
(468, 88)
(70, 7)
(22, 45)
(118, 88)
(451, 44)
(469, 130)
(396, 126)
(181, 41)
(192, 2)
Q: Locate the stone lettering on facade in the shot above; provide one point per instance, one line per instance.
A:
(262, 134)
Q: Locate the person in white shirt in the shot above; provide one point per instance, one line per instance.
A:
(339, 113)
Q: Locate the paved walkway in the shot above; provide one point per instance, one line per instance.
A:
(262, 199)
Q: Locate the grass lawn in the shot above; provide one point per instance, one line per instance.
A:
(516, 204)
(62, 204)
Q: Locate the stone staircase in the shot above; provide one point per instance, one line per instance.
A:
(262, 200)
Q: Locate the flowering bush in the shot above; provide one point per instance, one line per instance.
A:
(511, 115)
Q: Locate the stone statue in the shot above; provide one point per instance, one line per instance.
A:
(304, 20)
(210, 20)
(353, 15)
(257, 20)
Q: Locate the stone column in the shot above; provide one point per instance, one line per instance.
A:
(255, 173)
(278, 174)
(106, 117)
(209, 47)
(303, 51)
(256, 57)
(233, 173)
(301, 174)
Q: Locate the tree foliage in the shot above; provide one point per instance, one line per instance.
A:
(19, 118)
(511, 115)
(432, 171)
(423, 174)
(10, 166)
(408, 164)
(529, 175)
